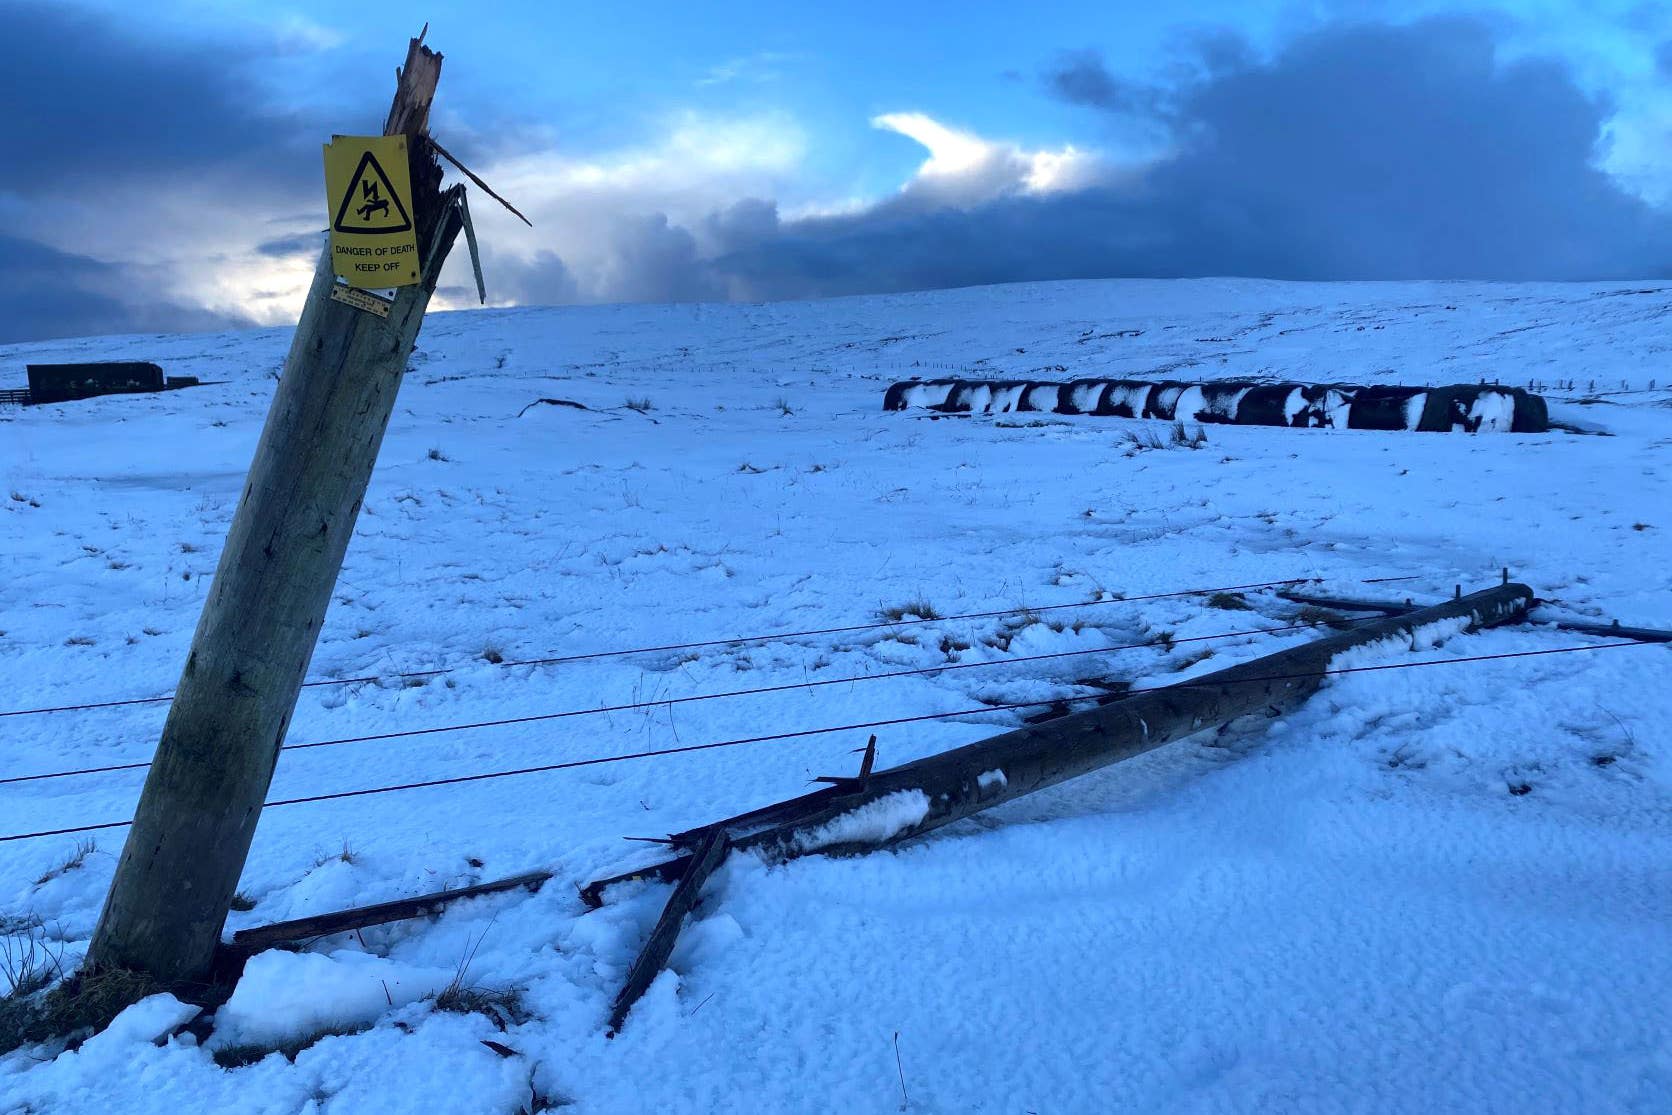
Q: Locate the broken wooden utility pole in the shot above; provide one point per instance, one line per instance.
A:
(884, 807)
(192, 831)
(1611, 630)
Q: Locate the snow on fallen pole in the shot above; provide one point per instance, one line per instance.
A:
(882, 808)
(1613, 629)
(1472, 408)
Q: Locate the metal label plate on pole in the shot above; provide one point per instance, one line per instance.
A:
(361, 300)
(368, 186)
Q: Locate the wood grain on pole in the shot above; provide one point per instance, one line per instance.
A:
(197, 815)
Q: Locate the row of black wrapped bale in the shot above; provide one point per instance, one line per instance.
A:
(1474, 408)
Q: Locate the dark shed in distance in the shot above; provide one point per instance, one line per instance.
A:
(54, 383)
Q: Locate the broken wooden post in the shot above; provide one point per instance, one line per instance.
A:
(283, 933)
(198, 813)
(711, 849)
(1610, 630)
(879, 809)
(912, 799)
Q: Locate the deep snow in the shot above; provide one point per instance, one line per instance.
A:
(1344, 909)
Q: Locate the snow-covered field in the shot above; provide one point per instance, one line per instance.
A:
(1346, 909)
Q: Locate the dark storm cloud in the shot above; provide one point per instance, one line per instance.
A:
(46, 293)
(86, 99)
(659, 262)
(1080, 77)
(651, 260)
(95, 109)
(303, 243)
(1358, 152)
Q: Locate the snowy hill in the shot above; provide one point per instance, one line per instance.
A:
(1432, 889)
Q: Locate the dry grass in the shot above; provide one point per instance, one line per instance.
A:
(952, 647)
(28, 961)
(919, 608)
(83, 849)
(80, 1003)
(503, 1008)
(242, 1056)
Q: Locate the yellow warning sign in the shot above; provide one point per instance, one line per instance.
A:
(369, 189)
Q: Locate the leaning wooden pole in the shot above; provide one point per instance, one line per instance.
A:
(198, 813)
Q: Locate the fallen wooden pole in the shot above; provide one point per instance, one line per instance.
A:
(303, 929)
(878, 809)
(1611, 630)
(923, 795)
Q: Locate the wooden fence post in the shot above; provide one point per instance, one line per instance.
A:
(192, 831)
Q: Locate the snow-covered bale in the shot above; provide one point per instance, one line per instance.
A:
(1126, 399)
(1387, 408)
(1466, 408)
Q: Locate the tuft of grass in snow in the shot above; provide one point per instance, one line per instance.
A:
(641, 404)
(1200, 656)
(83, 849)
(1314, 616)
(1191, 441)
(1177, 438)
(242, 1056)
(492, 653)
(782, 406)
(28, 961)
(242, 902)
(1229, 602)
(952, 647)
(436, 454)
(346, 854)
(82, 1002)
(504, 1008)
(920, 608)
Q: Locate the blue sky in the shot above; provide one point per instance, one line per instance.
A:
(163, 167)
